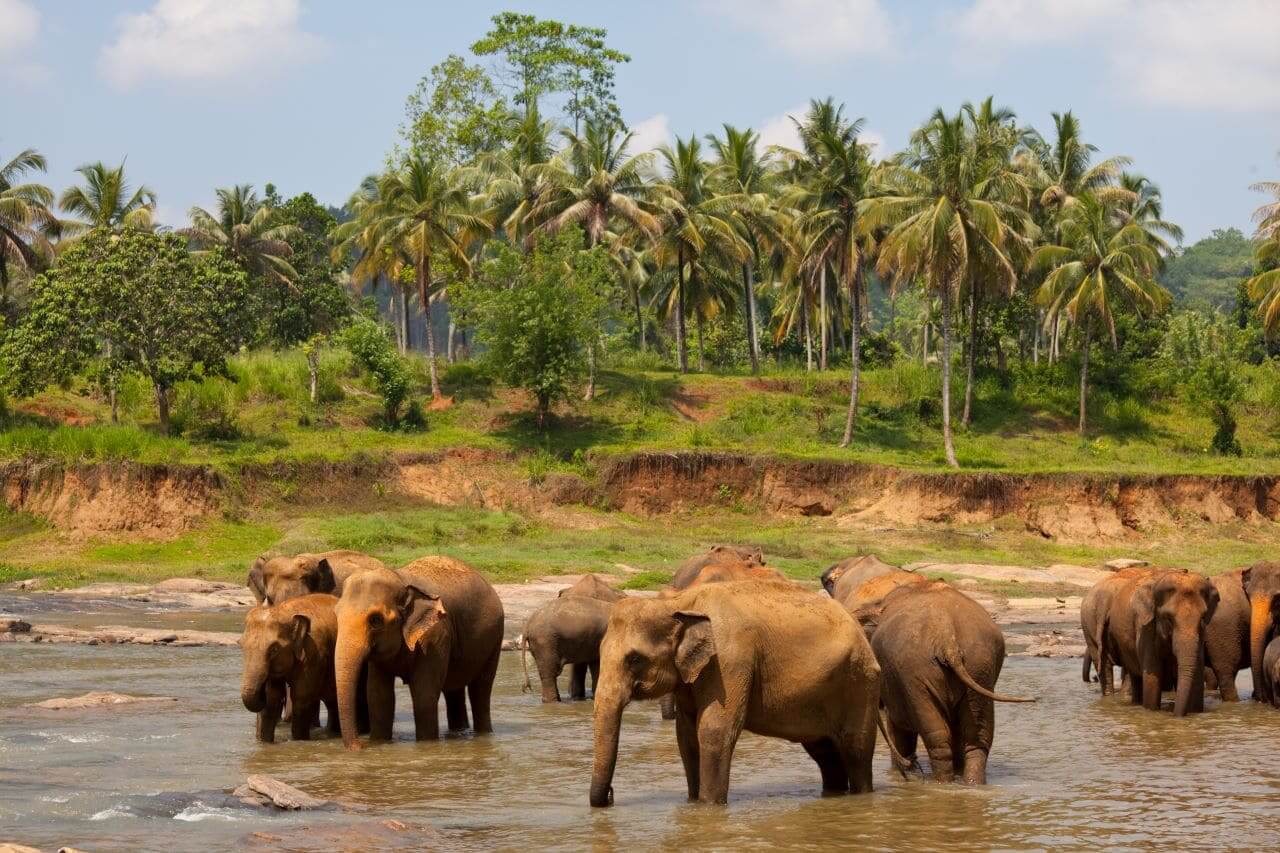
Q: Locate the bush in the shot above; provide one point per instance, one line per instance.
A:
(206, 409)
(373, 349)
(468, 379)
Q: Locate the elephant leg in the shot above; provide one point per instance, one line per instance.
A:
(856, 743)
(594, 666)
(455, 709)
(1226, 677)
(937, 742)
(1135, 686)
(904, 741)
(549, 666)
(667, 704)
(380, 691)
(719, 726)
(269, 716)
(286, 716)
(304, 712)
(835, 776)
(687, 740)
(480, 691)
(578, 681)
(331, 712)
(362, 702)
(976, 720)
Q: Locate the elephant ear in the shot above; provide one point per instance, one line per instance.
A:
(257, 580)
(1144, 603)
(299, 630)
(1211, 599)
(695, 644)
(322, 578)
(420, 612)
(1246, 575)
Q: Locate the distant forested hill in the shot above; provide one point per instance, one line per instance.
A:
(1206, 275)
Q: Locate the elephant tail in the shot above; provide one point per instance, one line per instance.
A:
(956, 664)
(524, 645)
(1084, 667)
(899, 761)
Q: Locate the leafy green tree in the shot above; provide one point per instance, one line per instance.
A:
(139, 301)
(368, 342)
(25, 224)
(1201, 355)
(107, 201)
(537, 313)
(1206, 275)
(454, 114)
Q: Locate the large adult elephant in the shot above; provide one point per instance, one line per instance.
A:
(1261, 583)
(841, 579)
(1094, 608)
(768, 657)
(865, 599)
(941, 655)
(716, 555)
(275, 580)
(436, 624)
(1155, 630)
(1226, 637)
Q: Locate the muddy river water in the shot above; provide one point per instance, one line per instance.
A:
(1073, 771)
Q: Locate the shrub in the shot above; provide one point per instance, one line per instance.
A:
(369, 345)
(206, 409)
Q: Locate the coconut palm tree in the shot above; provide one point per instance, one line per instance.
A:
(377, 264)
(1097, 263)
(248, 231)
(596, 184)
(1064, 171)
(25, 220)
(508, 179)
(1264, 288)
(945, 204)
(1145, 208)
(107, 201)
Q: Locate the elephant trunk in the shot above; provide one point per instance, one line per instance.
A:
(1259, 627)
(253, 687)
(348, 660)
(1188, 651)
(609, 704)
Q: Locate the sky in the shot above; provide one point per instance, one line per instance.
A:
(308, 94)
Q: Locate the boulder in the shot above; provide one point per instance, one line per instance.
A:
(192, 585)
(10, 847)
(264, 791)
(96, 699)
(1122, 563)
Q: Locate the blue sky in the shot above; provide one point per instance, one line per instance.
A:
(308, 93)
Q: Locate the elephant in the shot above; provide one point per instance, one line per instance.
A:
(847, 575)
(774, 659)
(275, 580)
(1155, 629)
(1093, 612)
(724, 573)
(437, 625)
(1226, 637)
(566, 630)
(941, 655)
(290, 647)
(717, 554)
(1261, 583)
(593, 586)
(1271, 670)
(871, 592)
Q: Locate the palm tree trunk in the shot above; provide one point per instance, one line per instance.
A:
(1035, 341)
(424, 280)
(635, 298)
(822, 317)
(808, 334)
(590, 394)
(970, 354)
(702, 350)
(947, 444)
(924, 344)
(1084, 375)
(453, 330)
(402, 327)
(855, 300)
(680, 339)
(749, 303)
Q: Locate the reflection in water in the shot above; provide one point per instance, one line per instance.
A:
(1072, 771)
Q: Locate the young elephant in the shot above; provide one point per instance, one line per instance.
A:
(841, 578)
(864, 600)
(771, 658)
(941, 654)
(1261, 583)
(1155, 629)
(275, 580)
(436, 624)
(1271, 670)
(592, 586)
(289, 647)
(717, 555)
(563, 631)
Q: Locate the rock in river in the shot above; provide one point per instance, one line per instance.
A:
(96, 699)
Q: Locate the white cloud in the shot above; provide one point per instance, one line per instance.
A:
(814, 30)
(207, 40)
(18, 32)
(1210, 54)
(781, 129)
(649, 134)
(874, 140)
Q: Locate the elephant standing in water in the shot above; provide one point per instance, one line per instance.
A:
(768, 657)
(275, 580)
(1155, 629)
(437, 625)
(1261, 583)
(1271, 671)
(941, 655)
(290, 646)
(568, 630)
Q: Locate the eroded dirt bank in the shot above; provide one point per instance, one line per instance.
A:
(159, 501)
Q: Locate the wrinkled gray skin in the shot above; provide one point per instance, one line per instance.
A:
(842, 578)
(275, 580)
(1271, 670)
(771, 658)
(290, 648)
(566, 630)
(1262, 585)
(717, 554)
(941, 655)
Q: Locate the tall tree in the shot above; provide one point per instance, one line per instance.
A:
(1097, 264)
(25, 221)
(1264, 287)
(249, 232)
(454, 114)
(107, 201)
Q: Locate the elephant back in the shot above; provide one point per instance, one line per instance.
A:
(472, 604)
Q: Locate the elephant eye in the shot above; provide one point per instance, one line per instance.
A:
(376, 620)
(633, 659)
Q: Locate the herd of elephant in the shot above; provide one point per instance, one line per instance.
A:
(730, 644)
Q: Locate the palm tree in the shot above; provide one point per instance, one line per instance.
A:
(1145, 208)
(415, 212)
(1097, 263)
(25, 220)
(945, 201)
(1264, 288)
(248, 231)
(1064, 171)
(832, 180)
(107, 201)
(509, 179)
(594, 183)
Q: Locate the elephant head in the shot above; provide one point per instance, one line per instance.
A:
(1262, 585)
(591, 586)
(859, 569)
(1174, 608)
(381, 616)
(275, 580)
(273, 643)
(650, 647)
